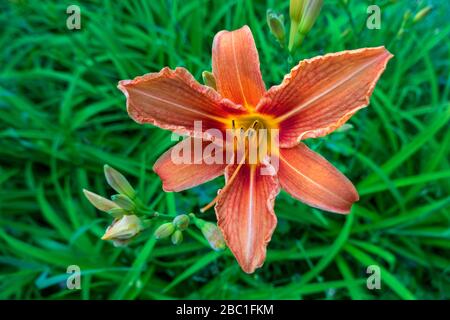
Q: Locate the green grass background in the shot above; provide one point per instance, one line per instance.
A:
(62, 118)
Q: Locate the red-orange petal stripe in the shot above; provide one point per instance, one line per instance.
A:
(235, 65)
(322, 93)
(181, 176)
(246, 216)
(310, 178)
(172, 99)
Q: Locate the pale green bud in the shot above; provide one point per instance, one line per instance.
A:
(124, 202)
(276, 25)
(209, 79)
(309, 15)
(123, 228)
(165, 230)
(422, 14)
(296, 9)
(99, 202)
(177, 237)
(305, 15)
(211, 233)
(181, 222)
(118, 182)
(214, 236)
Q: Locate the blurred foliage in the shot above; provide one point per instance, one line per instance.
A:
(62, 118)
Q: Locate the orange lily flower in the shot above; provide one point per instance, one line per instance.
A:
(317, 97)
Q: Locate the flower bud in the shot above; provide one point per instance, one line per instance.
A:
(296, 9)
(124, 202)
(276, 25)
(295, 13)
(303, 14)
(165, 230)
(99, 202)
(215, 238)
(309, 15)
(209, 80)
(118, 182)
(181, 222)
(177, 237)
(123, 228)
(422, 14)
(211, 233)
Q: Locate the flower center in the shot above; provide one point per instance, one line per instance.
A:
(253, 121)
(254, 137)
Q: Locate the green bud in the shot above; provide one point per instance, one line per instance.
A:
(302, 20)
(276, 25)
(181, 222)
(215, 238)
(422, 14)
(295, 13)
(117, 212)
(99, 202)
(309, 15)
(165, 230)
(118, 182)
(296, 9)
(123, 228)
(211, 233)
(209, 79)
(124, 202)
(177, 237)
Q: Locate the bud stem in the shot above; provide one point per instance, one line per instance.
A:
(292, 34)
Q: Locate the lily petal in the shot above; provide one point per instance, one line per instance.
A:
(310, 178)
(181, 176)
(235, 65)
(322, 93)
(172, 99)
(245, 214)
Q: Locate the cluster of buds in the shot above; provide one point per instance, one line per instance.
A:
(180, 223)
(173, 229)
(303, 14)
(123, 207)
(131, 217)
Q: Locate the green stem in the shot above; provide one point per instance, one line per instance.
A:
(292, 34)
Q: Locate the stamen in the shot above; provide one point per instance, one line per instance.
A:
(250, 134)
